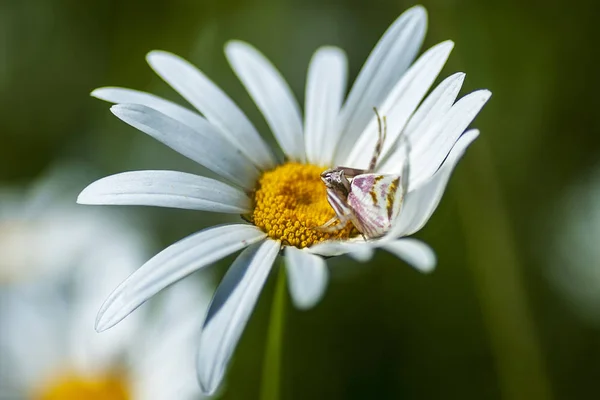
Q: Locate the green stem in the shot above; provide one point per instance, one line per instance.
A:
(497, 272)
(271, 374)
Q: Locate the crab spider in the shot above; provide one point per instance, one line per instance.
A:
(369, 200)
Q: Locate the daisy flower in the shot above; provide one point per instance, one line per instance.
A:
(283, 201)
(58, 264)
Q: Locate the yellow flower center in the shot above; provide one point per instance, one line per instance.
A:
(74, 387)
(290, 202)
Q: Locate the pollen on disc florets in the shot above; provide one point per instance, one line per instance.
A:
(290, 201)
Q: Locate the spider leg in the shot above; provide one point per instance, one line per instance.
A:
(331, 226)
(343, 212)
(382, 131)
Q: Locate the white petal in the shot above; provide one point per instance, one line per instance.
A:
(420, 203)
(166, 189)
(325, 88)
(338, 247)
(400, 104)
(230, 310)
(216, 106)
(414, 252)
(307, 277)
(362, 253)
(174, 263)
(386, 64)
(437, 141)
(433, 108)
(205, 146)
(129, 96)
(271, 94)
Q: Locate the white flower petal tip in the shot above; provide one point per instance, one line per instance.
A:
(271, 94)
(172, 264)
(418, 11)
(230, 310)
(214, 104)
(414, 252)
(440, 137)
(433, 108)
(362, 254)
(115, 94)
(307, 277)
(437, 103)
(332, 52)
(469, 136)
(166, 189)
(384, 67)
(416, 14)
(400, 104)
(484, 94)
(155, 56)
(204, 146)
(119, 95)
(477, 99)
(458, 78)
(443, 48)
(100, 93)
(160, 61)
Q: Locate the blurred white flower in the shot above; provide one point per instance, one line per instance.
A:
(574, 262)
(58, 261)
(42, 232)
(285, 201)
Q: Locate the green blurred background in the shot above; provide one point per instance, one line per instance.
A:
(495, 320)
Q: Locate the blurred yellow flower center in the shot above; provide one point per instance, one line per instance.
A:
(290, 201)
(79, 388)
